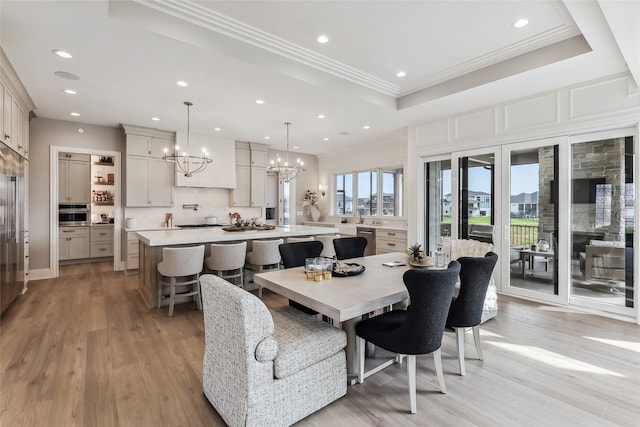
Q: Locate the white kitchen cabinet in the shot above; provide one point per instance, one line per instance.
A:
(390, 240)
(74, 178)
(15, 106)
(149, 180)
(271, 200)
(251, 175)
(73, 243)
(101, 241)
(132, 254)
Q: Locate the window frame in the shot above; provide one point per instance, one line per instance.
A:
(379, 174)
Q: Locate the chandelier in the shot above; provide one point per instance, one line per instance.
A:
(184, 162)
(285, 170)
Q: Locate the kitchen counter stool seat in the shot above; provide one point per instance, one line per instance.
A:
(227, 261)
(184, 264)
(300, 239)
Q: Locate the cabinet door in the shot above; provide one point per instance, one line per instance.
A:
(1, 111)
(6, 114)
(242, 192)
(79, 247)
(271, 200)
(138, 181)
(138, 145)
(160, 183)
(63, 179)
(258, 186)
(243, 157)
(15, 119)
(158, 146)
(79, 182)
(25, 133)
(63, 248)
(259, 158)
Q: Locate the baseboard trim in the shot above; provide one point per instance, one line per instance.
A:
(44, 273)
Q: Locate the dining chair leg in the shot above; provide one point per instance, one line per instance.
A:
(260, 292)
(476, 339)
(360, 343)
(437, 360)
(460, 346)
(172, 296)
(411, 372)
(197, 289)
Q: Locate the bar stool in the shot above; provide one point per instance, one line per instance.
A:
(328, 250)
(299, 239)
(227, 261)
(180, 263)
(264, 256)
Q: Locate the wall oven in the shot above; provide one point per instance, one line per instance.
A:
(73, 215)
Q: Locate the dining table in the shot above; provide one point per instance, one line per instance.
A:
(345, 300)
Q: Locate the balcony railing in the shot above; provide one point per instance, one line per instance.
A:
(523, 235)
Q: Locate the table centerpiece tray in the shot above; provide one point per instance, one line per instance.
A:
(425, 262)
(346, 269)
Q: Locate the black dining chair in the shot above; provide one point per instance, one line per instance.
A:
(349, 247)
(294, 255)
(415, 331)
(466, 308)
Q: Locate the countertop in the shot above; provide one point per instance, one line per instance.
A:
(177, 236)
(354, 224)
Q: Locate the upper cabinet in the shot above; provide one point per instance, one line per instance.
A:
(221, 173)
(15, 106)
(251, 175)
(149, 180)
(74, 178)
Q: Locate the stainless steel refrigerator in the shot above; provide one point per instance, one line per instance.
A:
(12, 233)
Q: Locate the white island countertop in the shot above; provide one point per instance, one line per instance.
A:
(169, 237)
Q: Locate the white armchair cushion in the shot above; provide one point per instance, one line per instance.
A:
(303, 340)
(267, 349)
(607, 243)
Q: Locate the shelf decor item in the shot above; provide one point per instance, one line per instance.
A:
(310, 201)
(184, 162)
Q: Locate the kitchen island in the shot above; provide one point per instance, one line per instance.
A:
(151, 244)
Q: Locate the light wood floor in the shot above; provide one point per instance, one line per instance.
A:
(83, 350)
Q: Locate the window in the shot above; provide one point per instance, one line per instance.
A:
(374, 196)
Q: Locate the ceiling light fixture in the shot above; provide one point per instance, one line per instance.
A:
(365, 127)
(267, 137)
(155, 119)
(286, 171)
(66, 75)
(520, 23)
(401, 74)
(325, 139)
(182, 83)
(321, 116)
(74, 114)
(217, 129)
(70, 91)
(185, 163)
(62, 54)
(259, 101)
(322, 39)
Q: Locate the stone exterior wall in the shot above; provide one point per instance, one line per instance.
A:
(600, 159)
(545, 207)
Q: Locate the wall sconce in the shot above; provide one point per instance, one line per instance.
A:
(321, 190)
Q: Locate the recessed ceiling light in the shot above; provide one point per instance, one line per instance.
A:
(325, 139)
(267, 137)
(520, 23)
(62, 54)
(66, 75)
(217, 129)
(259, 101)
(321, 116)
(295, 147)
(322, 39)
(80, 130)
(74, 114)
(155, 119)
(401, 74)
(366, 127)
(70, 91)
(182, 83)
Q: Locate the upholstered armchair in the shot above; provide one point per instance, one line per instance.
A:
(266, 367)
(474, 248)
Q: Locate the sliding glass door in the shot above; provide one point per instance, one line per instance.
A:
(438, 202)
(476, 196)
(603, 221)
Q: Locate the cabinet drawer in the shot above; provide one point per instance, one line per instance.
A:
(101, 249)
(101, 234)
(392, 234)
(73, 231)
(74, 156)
(132, 247)
(390, 245)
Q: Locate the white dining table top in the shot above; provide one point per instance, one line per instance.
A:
(343, 298)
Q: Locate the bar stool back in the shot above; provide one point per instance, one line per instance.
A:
(299, 239)
(264, 256)
(183, 263)
(227, 261)
(328, 250)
